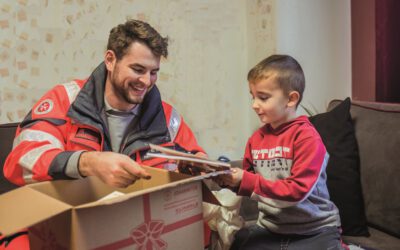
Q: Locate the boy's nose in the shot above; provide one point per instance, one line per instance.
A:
(254, 105)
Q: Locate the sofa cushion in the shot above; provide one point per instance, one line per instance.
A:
(378, 135)
(377, 240)
(337, 132)
(7, 133)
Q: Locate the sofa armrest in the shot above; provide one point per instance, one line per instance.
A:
(7, 133)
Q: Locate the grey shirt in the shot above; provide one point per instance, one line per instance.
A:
(117, 121)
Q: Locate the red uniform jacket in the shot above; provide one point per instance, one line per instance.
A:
(71, 117)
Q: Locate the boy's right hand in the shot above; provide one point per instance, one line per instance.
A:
(116, 170)
(232, 179)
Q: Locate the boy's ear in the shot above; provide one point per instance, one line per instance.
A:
(294, 98)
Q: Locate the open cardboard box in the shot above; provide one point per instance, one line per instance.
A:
(162, 213)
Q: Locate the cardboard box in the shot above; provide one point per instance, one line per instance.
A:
(162, 213)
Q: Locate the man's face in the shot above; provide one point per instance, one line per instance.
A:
(131, 77)
(269, 101)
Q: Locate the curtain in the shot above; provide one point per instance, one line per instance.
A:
(387, 25)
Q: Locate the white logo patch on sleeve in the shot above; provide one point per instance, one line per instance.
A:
(44, 107)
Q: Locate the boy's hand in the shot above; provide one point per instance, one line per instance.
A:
(232, 179)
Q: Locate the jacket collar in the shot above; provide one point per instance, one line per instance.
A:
(88, 106)
(89, 109)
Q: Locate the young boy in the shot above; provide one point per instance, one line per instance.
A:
(284, 167)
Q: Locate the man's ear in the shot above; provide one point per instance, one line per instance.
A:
(294, 98)
(110, 60)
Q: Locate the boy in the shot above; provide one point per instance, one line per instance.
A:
(284, 167)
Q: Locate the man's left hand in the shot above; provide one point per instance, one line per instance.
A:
(188, 167)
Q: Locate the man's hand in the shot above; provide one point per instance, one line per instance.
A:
(114, 169)
(188, 167)
(232, 179)
(201, 155)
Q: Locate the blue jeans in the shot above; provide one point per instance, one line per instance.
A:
(256, 237)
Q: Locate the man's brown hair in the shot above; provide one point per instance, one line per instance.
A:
(289, 74)
(123, 35)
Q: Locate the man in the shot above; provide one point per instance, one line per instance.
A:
(100, 126)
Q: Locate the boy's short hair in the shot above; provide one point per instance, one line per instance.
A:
(289, 74)
(123, 35)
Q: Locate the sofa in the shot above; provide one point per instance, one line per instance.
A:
(7, 133)
(363, 140)
(377, 130)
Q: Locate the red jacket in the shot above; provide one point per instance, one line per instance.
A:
(71, 117)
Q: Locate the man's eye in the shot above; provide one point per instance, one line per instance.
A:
(154, 73)
(139, 71)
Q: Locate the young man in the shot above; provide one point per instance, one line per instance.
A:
(284, 167)
(100, 126)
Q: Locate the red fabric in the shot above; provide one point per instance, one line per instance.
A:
(207, 234)
(305, 149)
(185, 137)
(387, 20)
(20, 242)
(66, 136)
(12, 169)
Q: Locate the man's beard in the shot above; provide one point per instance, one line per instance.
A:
(123, 92)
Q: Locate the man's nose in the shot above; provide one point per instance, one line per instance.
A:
(145, 79)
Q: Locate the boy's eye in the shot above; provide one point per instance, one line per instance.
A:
(263, 98)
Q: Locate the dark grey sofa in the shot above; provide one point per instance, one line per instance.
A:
(7, 133)
(377, 130)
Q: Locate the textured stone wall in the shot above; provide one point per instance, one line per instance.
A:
(213, 43)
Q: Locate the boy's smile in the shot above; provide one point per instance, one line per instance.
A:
(269, 101)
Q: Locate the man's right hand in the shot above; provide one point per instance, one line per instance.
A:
(114, 169)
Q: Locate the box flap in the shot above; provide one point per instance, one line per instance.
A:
(24, 207)
(74, 192)
(161, 179)
(208, 196)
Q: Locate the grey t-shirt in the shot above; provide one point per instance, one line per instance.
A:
(117, 121)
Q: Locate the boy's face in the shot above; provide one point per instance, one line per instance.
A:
(269, 101)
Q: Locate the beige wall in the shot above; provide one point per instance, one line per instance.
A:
(318, 34)
(213, 43)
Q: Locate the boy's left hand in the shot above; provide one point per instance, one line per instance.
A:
(232, 179)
